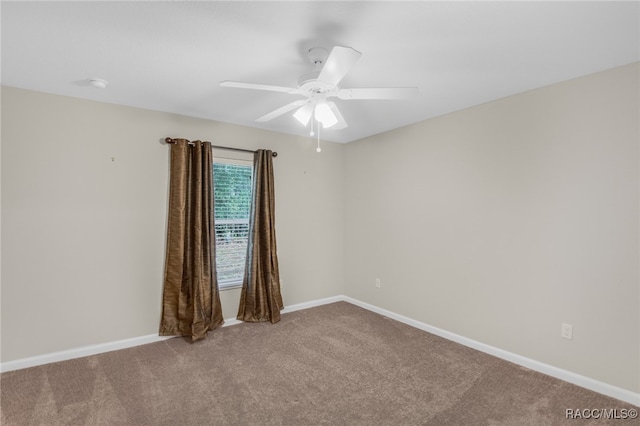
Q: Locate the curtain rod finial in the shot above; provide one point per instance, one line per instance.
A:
(168, 140)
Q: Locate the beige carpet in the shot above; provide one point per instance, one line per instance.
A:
(336, 364)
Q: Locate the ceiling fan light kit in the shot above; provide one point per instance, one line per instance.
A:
(322, 84)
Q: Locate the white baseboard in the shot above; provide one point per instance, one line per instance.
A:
(549, 370)
(293, 308)
(314, 303)
(80, 352)
(559, 373)
(129, 343)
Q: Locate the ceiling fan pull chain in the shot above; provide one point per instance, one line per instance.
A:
(318, 148)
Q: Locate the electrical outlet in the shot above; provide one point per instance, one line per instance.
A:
(378, 283)
(567, 331)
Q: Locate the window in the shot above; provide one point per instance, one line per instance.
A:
(232, 192)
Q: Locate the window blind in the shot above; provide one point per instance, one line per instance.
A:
(232, 194)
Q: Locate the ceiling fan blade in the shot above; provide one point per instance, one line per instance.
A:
(341, 124)
(338, 64)
(241, 85)
(378, 93)
(282, 110)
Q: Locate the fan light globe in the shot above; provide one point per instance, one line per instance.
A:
(304, 114)
(324, 115)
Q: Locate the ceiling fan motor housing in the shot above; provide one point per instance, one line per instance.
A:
(311, 86)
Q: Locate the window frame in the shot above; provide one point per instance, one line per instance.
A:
(239, 162)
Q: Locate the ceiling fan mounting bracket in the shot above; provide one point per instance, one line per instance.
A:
(318, 55)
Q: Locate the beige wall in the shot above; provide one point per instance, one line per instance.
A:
(83, 236)
(502, 221)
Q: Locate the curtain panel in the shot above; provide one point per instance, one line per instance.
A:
(260, 299)
(191, 302)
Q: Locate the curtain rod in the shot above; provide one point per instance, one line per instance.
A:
(171, 140)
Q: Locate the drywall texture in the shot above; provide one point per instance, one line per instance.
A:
(501, 222)
(84, 207)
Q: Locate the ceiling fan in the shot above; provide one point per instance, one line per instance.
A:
(319, 86)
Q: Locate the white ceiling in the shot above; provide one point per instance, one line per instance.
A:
(170, 56)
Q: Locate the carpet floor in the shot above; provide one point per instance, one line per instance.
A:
(335, 364)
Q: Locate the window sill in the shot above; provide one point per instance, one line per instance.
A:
(230, 286)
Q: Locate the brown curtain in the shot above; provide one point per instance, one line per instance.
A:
(191, 302)
(260, 299)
